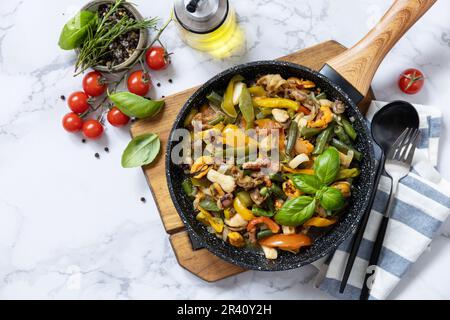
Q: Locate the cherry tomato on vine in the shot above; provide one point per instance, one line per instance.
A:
(72, 122)
(94, 84)
(157, 58)
(139, 83)
(411, 81)
(92, 129)
(78, 102)
(117, 118)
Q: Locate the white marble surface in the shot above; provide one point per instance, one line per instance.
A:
(72, 226)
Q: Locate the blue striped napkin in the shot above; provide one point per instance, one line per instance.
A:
(422, 205)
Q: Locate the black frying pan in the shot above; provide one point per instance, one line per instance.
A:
(347, 78)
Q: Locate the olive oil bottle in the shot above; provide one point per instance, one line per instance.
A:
(209, 26)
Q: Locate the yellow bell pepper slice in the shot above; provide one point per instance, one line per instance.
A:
(236, 239)
(206, 218)
(245, 213)
(236, 138)
(279, 103)
(227, 104)
(319, 222)
(227, 214)
(257, 91)
(297, 171)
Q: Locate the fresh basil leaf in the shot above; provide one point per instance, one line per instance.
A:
(76, 29)
(327, 165)
(136, 106)
(307, 183)
(297, 211)
(141, 150)
(331, 199)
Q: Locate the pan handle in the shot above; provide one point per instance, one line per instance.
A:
(358, 64)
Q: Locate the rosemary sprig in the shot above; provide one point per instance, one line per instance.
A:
(104, 32)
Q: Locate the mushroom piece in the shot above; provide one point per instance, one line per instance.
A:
(288, 229)
(226, 201)
(226, 182)
(270, 253)
(280, 115)
(236, 221)
(256, 196)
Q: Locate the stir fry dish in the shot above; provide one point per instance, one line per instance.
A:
(272, 163)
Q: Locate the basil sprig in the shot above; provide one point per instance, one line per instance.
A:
(76, 30)
(136, 106)
(141, 151)
(297, 211)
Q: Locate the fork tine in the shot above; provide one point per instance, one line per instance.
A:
(404, 148)
(394, 148)
(414, 142)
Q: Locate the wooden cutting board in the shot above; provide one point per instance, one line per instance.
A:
(201, 262)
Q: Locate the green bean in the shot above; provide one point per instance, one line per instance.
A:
(262, 213)
(277, 177)
(349, 130)
(245, 198)
(321, 95)
(276, 190)
(260, 116)
(264, 191)
(348, 173)
(209, 205)
(187, 121)
(323, 139)
(264, 234)
(216, 120)
(342, 136)
(269, 203)
(188, 188)
(215, 98)
(202, 182)
(292, 137)
(306, 132)
(342, 147)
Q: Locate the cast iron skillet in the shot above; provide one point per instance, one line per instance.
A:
(347, 78)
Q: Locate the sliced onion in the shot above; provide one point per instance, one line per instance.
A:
(347, 159)
(237, 92)
(298, 160)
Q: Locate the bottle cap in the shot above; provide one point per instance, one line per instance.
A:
(201, 16)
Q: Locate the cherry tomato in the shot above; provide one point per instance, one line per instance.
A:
(93, 84)
(92, 129)
(411, 81)
(78, 102)
(139, 83)
(117, 118)
(72, 122)
(157, 58)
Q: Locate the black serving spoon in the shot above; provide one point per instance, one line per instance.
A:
(387, 125)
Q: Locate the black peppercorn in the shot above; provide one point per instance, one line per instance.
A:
(83, 140)
(170, 80)
(97, 155)
(143, 200)
(106, 149)
(158, 84)
(63, 97)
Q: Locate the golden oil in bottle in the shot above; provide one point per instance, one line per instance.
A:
(209, 26)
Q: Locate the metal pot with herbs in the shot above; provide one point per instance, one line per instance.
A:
(110, 36)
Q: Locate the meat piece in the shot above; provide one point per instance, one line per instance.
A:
(257, 164)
